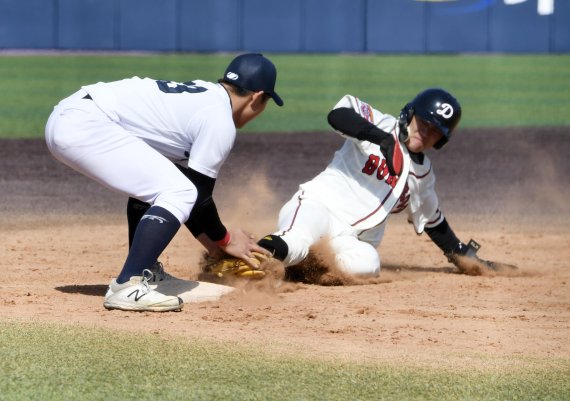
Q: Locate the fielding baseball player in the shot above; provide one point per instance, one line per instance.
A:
(380, 170)
(162, 143)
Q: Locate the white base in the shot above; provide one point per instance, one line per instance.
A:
(193, 291)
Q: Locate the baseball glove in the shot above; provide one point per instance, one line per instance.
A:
(236, 267)
(469, 263)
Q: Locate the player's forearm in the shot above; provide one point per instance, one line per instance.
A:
(350, 123)
(212, 248)
(204, 217)
(443, 236)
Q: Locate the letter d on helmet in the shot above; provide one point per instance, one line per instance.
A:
(435, 106)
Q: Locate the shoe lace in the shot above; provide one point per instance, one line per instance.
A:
(147, 276)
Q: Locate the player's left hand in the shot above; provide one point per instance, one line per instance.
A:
(467, 261)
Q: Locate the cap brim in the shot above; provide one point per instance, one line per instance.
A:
(276, 98)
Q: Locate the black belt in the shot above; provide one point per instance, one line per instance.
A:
(88, 96)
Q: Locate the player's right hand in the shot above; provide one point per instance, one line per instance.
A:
(243, 246)
(234, 267)
(393, 155)
(467, 262)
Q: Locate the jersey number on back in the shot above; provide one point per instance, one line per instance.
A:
(176, 87)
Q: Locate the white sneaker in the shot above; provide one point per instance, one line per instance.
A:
(137, 295)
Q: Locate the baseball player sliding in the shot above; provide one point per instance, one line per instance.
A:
(381, 169)
(162, 143)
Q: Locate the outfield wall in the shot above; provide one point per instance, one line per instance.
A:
(428, 26)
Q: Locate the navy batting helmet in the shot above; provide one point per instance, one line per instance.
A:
(435, 106)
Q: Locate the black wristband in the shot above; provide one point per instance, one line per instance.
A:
(275, 244)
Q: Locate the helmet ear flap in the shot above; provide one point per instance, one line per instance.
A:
(439, 144)
(406, 115)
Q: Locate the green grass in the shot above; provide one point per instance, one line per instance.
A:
(495, 90)
(48, 362)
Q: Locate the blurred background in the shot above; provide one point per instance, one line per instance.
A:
(297, 26)
(507, 61)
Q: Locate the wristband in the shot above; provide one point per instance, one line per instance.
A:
(224, 241)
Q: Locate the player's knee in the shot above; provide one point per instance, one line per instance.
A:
(179, 202)
(357, 264)
(356, 257)
(59, 133)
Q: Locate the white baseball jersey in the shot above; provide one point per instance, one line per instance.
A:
(350, 201)
(126, 134)
(357, 188)
(190, 123)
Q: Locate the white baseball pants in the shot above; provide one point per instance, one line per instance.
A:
(304, 220)
(81, 136)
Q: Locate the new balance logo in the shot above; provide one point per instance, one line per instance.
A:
(137, 294)
(155, 218)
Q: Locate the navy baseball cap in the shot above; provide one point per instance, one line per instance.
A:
(254, 72)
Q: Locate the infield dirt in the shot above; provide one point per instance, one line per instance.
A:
(63, 237)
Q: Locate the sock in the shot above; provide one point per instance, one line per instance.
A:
(153, 234)
(135, 211)
(275, 245)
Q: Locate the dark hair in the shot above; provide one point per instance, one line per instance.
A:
(241, 92)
